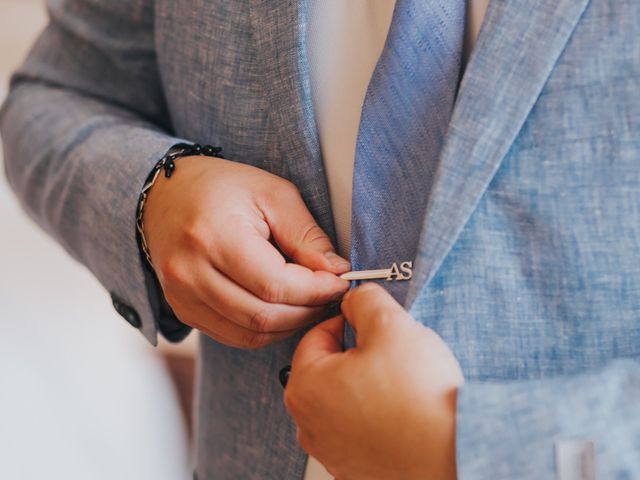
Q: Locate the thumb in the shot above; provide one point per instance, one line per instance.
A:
(299, 236)
(322, 340)
(373, 313)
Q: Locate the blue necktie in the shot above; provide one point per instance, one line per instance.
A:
(405, 116)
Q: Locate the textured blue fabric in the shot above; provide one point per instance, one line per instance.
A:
(528, 261)
(404, 119)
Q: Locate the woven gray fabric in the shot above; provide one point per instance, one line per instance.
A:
(528, 259)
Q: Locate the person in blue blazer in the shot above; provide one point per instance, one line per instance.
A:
(508, 347)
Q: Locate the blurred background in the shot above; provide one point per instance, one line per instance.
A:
(82, 395)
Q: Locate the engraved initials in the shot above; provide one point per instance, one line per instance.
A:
(404, 272)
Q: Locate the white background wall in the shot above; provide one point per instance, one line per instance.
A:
(82, 396)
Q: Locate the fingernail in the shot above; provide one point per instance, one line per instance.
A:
(284, 375)
(337, 261)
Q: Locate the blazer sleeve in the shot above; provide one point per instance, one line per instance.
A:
(513, 430)
(84, 122)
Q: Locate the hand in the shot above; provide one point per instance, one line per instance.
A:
(385, 409)
(210, 229)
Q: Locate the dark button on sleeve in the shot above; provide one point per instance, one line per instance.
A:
(125, 311)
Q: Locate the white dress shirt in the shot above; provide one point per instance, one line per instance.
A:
(344, 41)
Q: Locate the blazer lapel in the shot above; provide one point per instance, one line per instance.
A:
(279, 28)
(518, 46)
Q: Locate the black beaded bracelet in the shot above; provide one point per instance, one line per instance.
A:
(167, 163)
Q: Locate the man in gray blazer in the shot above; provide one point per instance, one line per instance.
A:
(526, 270)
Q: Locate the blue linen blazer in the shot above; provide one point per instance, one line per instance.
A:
(529, 260)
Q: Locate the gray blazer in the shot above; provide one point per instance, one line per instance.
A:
(529, 262)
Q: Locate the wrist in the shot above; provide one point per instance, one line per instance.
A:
(165, 168)
(452, 466)
(439, 423)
